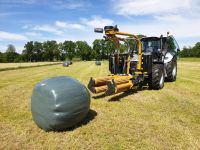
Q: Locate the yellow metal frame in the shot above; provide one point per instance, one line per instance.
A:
(112, 35)
(117, 83)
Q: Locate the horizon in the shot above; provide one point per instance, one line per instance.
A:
(41, 20)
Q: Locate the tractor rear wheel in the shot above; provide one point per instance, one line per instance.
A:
(171, 70)
(156, 78)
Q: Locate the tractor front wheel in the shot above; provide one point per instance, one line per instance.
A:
(171, 70)
(156, 78)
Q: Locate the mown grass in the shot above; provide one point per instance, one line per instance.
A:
(14, 66)
(147, 119)
(193, 59)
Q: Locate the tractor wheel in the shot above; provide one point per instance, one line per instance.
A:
(156, 78)
(171, 70)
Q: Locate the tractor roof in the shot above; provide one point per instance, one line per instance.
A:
(152, 38)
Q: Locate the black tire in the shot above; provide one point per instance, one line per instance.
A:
(171, 70)
(156, 78)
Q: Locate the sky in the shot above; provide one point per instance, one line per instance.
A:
(41, 20)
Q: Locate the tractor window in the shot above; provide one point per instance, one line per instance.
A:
(172, 44)
(150, 45)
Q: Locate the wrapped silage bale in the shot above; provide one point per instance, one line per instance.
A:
(59, 103)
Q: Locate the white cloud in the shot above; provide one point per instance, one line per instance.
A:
(61, 27)
(175, 18)
(12, 36)
(33, 34)
(97, 21)
(151, 7)
(65, 25)
(26, 27)
(181, 29)
(179, 17)
(47, 28)
(68, 4)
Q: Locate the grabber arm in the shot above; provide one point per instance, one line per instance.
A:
(110, 84)
(111, 34)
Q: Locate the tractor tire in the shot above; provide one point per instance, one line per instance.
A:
(156, 78)
(171, 70)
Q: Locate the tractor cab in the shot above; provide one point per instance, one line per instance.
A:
(151, 44)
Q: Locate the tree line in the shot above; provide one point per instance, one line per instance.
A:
(191, 51)
(35, 51)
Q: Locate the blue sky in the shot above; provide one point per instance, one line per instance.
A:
(41, 20)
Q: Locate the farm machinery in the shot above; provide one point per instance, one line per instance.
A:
(151, 61)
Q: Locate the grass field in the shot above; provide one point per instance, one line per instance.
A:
(18, 65)
(165, 119)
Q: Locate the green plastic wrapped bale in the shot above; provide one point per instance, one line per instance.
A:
(70, 62)
(65, 64)
(98, 63)
(59, 103)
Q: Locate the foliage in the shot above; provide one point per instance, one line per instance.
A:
(2, 57)
(11, 49)
(103, 48)
(51, 51)
(35, 51)
(11, 55)
(191, 51)
(69, 48)
(84, 50)
(28, 52)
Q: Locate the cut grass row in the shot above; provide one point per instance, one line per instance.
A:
(14, 66)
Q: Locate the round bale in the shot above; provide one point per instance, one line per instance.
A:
(65, 64)
(59, 103)
(98, 63)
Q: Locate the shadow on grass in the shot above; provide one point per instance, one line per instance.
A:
(90, 116)
(120, 96)
(99, 96)
(127, 93)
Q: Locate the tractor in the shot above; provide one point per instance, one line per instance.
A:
(150, 62)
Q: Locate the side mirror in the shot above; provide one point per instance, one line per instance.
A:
(178, 50)
(98, 30)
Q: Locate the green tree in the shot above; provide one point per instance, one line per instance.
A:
(11, 49)
(69, 48)
(51, 51)
(38, 51)
(2, 57)
(62, 52)
(109, 48)
(28, 52)
(141, 36)
(191, 51)
(97, 49)
(196, 49)
(84, 50)
(103, 48)
(123, 47)
(11, 53)
(171, 45)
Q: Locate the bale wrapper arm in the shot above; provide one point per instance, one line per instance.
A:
(117, 82)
